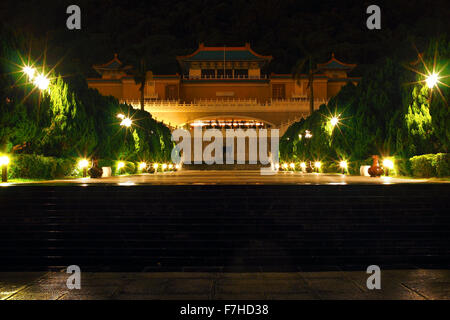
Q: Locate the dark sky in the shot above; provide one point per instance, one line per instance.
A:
(288, 29)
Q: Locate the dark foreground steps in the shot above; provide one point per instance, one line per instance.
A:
(275, 228)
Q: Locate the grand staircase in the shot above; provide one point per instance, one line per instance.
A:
(245, 228)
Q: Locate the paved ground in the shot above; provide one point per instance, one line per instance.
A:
(186, 177)
(395, 284)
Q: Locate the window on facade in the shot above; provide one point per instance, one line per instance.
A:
(228, 73)
(208, 73)
(278, 91)
(171, 92)
(241, 73)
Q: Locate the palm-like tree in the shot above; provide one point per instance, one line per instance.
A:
(141, 76)
(306, 65)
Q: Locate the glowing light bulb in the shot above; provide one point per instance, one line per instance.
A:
(41, 81)
(29, 71)
(83, 163)
(155, 166)
(303, 165)
(334, 121)
(127, 122)
(121, 116)
(388, 163)
(142, 166)
(317, 164)
(120, 165)
(343, 164)
(4, 160)
(432, 80)
(292, 165)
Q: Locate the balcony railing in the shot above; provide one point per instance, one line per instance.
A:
(298, 104)
(225, 77)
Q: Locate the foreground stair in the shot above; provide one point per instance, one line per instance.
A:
(280, 228)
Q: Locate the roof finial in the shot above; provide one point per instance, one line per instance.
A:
(115, 55)
(332, 55)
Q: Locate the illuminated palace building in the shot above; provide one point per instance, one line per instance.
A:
(224, 87)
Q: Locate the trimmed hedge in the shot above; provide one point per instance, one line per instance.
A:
(431, 165)
(31, 166)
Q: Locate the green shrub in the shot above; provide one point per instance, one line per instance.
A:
(443, 164)
(403, 167)
(431, 165)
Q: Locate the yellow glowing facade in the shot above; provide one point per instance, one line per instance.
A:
(224, 84)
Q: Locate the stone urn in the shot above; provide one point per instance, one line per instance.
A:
(95, 171)
(375, 170)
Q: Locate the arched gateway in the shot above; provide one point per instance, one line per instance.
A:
(224, 86)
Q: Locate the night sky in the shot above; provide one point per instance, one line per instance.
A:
(162, 29)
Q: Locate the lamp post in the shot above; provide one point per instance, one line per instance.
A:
(4, 161)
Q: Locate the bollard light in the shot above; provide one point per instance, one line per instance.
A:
(292, 166)
(120, 166)
(388, 164)
(317, 164)
(303, 166)
(4, 161)
(343, 164)
(142, 166)
(83, 164)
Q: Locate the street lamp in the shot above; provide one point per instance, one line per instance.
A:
(431, 80)
(29, 71)
(4, 161)
(334, 121)
(126, 122)
(41, 81)
(83, 164)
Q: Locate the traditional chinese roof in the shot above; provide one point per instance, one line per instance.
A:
(219, 54)
(244, 53)
(114, 65)
(335, 64)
